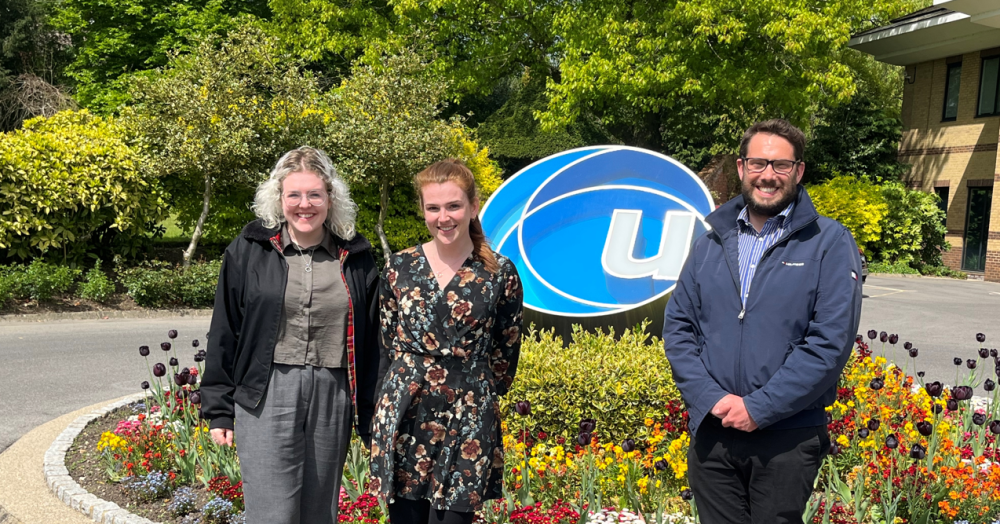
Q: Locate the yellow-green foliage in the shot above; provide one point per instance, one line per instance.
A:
(619, 382)
(69, 185)
(856, 203)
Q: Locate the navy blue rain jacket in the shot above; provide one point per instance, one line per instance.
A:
(784, 351)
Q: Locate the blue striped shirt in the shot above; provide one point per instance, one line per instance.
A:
(754, 244)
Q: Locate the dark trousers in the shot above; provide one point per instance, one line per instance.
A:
(405, 511)
(761, 477)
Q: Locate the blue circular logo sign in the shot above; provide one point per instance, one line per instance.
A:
(598, 230)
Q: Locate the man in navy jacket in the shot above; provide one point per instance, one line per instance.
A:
(757, 332)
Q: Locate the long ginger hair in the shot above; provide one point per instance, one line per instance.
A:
(454, 170)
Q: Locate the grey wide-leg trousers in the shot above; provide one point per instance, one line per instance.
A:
(293, 445)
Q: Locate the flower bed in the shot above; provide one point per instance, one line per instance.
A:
(904, 451)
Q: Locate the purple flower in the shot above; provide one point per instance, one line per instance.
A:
(583, 439)
(980, 338)
(918, 452)
(628, 445)
(523, 408)
(172, 334)
(952, 404)
(907, 345)
(971, 364)
(989, 385)
(983, 352)
(195, 343)
(961, 393)
(179, 379)
(877, 383)
(173, 361)
(144, 351)
(920, 374)
(873, 424)
(863, 432)
(191, 379)
(872, 334)
(165, 346)
(914, 352)
(995, 427)
(893, 339)
(588, 425)
(937, 409)
(993, 353)
(159, 369)
(979, 419)
(145, 384)
(925, 428)
(200, 355)
(957, 361)
(660, 465)
(834, 449)
(883, 337)
(687, 494)
(195, 397)
(891, 441)
(934, 389)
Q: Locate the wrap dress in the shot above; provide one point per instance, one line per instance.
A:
(453, 351)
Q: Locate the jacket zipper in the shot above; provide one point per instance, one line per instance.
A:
(274, 341)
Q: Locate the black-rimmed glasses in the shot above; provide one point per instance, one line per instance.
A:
(780, 166)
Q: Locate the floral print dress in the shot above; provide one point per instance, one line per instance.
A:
(452, 351)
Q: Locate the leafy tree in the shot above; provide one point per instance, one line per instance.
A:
(857, 204)
(214, 121)
(115, 38)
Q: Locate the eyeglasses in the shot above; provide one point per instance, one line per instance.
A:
(314, 198)
(780, 166)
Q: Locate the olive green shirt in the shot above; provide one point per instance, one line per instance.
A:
(313, 328)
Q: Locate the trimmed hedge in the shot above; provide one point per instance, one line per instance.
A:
(158, 284)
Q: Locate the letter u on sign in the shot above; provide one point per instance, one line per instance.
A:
(675, 242)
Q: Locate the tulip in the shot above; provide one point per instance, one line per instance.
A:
(913, 352)
(918, 452)
(165, 346)
(893, 339)
(872, 334)
(980, 338)
(961, 393)
(891, 441)
(660, 465)
(983, 352)
(989, 385)
(920, 374)
(883, 337)
(628, 445)
(971, 364)
(195, 397)
(144, 351)
(863, 432)
(200, 356)
(687, 494)
(873, 424)
(998, 370)
(876, 383)
(979, 419)
(173, 361)
(993, 353)
(523, 408)
(588, 425)
(859, 339)
(925, 428)
(937, 409)
(583, 439)
(934, 389)
(145, 384)
(834, 449)
(995, 427)
(829, 419)
(952, 405)
(907, 346)
(159, 369)
(179, 379)
(195, 343)
(957, 361)
(172, 334)
(191, 379)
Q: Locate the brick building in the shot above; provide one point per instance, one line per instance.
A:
(951, 118)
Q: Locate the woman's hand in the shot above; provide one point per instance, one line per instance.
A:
(222, 436)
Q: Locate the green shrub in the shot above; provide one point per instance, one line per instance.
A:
(96, 285)
(913, 230)
(37, 281)
(70, 185)
(618, 382)
(856, 203)
(893, 268)
(158, 284)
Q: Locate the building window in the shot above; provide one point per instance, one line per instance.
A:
(942, 193)
(989, 87)
(977, 225)
(951, 88)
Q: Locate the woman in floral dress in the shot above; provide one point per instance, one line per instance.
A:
(451, 334)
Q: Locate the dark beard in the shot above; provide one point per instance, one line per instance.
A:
(765, 209)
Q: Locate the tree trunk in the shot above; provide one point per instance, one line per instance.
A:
(200, 226)
(380, 225)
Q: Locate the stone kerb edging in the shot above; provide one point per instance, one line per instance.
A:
(58, 479)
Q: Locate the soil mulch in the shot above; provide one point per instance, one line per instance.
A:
(84, 464)
(69, 304)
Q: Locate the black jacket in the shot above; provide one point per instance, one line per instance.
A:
(244, 329)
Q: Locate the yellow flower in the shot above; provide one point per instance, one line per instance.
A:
(843, 441)
(648, 421)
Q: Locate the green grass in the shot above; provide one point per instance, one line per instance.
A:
(174, 233)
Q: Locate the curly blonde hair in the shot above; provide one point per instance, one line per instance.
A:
(267, 201)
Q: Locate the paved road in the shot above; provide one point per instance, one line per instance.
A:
(53, 368)
(939, 316)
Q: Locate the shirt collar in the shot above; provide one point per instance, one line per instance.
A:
(326, 243)
(744, 217)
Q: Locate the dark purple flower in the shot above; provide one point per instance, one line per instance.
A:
(980, 338)
(914, 352)
(195, 343)
(907, 345)
(145, 384)
(918, 452)
(957, 361)
(883, 337)
(179, 379)
(952, 404)
(687, 494)
(588, 425)
(583, 439)
(144, 351)
(934, 389)
(971, 363)
(628, 445)
(173, 361)
(834, 449)
(191, 379)
(660, 465)
(989, 385)
(983, 352)
(165, 346)
(872, 334)
(893, 339)
(920, 374)
(891, 441)
(863, 432)
(159, 369)
(200, 356)
(993, 353)
(195, 397)
(172, 334)
(961, 393)
(873, 424)
(979, 419)
(523, 408)
(995, 427)
(937, 409)
(859, 339)
(925, 428)
(877, 383)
